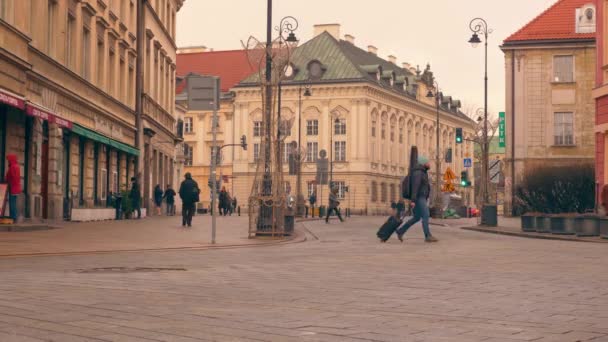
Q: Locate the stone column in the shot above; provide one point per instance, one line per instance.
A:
(55, 174)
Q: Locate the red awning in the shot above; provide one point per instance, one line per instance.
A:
(11, 99)
(45, 114)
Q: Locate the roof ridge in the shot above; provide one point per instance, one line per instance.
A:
(533, 20)
(209, 52)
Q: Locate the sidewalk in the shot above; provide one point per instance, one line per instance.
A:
(512, 226)
(153, 233)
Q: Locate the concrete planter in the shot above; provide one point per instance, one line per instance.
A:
(528, 223)
(604, 227)
(543, 224)
(587, 226)
(561, 225)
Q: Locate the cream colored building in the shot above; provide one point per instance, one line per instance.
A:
(381, 111)
(67, 100)
(550, 111)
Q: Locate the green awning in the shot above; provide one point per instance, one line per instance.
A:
(87, 133)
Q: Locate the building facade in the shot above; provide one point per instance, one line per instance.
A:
(67, 100)
(550, 72)
(364, 111)
(600, 94)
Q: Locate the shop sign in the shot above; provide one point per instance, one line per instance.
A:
(44, 115)
(11, 100)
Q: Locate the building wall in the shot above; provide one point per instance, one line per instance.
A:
(600, 94)
(536, 98)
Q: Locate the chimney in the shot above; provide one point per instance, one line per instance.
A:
(350, 38)
(333, 29)
(392, 59)
(193, 49)
(406, 65)
(372, 49)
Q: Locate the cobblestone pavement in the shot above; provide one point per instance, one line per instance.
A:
(340, 285)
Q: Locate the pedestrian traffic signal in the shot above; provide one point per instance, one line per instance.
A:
(244, 142)
(459, 135)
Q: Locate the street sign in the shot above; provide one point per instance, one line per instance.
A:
(495, 168)
(501, 130)
(468, 162)
(203, 92)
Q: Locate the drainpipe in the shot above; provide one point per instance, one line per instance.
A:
(512, 132)
(139, 85)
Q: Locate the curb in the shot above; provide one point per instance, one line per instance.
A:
(299, 237)
(529, 236)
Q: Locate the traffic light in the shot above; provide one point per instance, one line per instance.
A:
(464, 179)
(244, 142)
(459, 136)
(448, 156)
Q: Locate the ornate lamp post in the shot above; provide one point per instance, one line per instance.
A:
(437, 190)
(480, 27)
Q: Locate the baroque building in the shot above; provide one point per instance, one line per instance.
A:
(550, 73)
(364, 111)
(67, 100)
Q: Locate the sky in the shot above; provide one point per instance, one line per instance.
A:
(418, 32)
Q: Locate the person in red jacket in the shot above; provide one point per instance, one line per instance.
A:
(13, 178)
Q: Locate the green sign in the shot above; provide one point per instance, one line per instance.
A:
(501, 130)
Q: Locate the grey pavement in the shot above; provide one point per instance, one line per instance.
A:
(339, 285)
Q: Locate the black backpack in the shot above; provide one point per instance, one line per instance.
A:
(406, 187)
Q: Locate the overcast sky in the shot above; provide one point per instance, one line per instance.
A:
(418, 32)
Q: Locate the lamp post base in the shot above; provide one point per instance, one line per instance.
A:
(300, 206)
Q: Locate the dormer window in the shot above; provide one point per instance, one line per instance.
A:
(316, 70)
(290, 71)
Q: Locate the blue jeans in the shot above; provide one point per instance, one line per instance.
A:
(12, 202)
(421, 212)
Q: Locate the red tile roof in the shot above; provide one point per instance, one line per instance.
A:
(555, 23)
(231, 66)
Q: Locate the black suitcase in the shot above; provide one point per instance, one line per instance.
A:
(388, 228)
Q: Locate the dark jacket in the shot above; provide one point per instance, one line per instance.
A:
(13, 175)
(312, 199)
(188, 191)
(135, 194)
(169, 196)
(421, 187)
(158, 194)
(223, 199)
(333, 200)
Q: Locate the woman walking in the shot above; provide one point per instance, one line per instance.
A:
(169, 197)
(333, 205)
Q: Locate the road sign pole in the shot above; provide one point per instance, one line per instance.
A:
(213, 166)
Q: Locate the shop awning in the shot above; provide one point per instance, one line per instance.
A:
(45, 114)
(11, 99)
(87, 133)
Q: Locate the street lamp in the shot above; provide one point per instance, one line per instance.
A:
(437, 97)
(480, 27)
(300, 201)
(332, 125)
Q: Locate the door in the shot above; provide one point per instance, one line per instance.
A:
(44, 159)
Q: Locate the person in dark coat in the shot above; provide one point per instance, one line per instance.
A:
(234, 205)
(158, 199)
(169, 197)
(222, 201)
(135, 196)
(189, 193)
(421, 190)
(333, 205)
(13, 178)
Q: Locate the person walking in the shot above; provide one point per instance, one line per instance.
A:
(135, 196)
(189, 192)
(234, 204)
(420, 192)
(223, 199)
(333, 205)
(158, 199)
(169, 197)
(13, 178)
(312, 200)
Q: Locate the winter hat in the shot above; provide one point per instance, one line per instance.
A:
(422, 160)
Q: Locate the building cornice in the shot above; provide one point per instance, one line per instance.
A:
(547, 44)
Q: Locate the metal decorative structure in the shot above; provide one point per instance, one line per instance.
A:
(268, 201)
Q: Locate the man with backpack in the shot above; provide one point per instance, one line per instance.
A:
(418, 190)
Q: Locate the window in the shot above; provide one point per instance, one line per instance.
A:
(111, 63)
(312, 151)
(312, 127)
(311, 188)
(340, 127)
(392, 133)
(131, 86)
(50, 28)
(563, 69)
(256, 152)
(285, 128)
(564, 129)
(99, 67)
(341, 185)
(340, 151)
(393, 193)
(258, 129)
(121, 81)
(285, 152)
(114, 182)
(104, 184)
(374, 192)
(374, 129)
(383, 192)
(383, 131)
(287, 187)
(86, 53)
(188, 155)
(70, 35)
(187, 125)
(401, 135)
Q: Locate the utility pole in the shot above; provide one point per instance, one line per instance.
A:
(139, 86)
(214, 157)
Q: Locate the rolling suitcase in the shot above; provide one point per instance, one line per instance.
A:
(388, 228)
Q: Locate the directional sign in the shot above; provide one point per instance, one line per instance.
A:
(468, 162)
(495, 167)
(501, 130)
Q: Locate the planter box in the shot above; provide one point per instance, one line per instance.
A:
(587, 226)
(604, 227)
(563, 225)
(543, 224)
(528, 223)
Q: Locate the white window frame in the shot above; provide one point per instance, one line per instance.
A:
(340, 127)
(256, 152)
(556, 78)
(341, 185)
(258, 129)
(340, 151)
(560, 132)
(312, 127)
(312, 151)
(188, 155)
(188, 124)
(311, 188)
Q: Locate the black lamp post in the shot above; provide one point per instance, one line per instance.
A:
(300, 201)
(480, 27)
(437, 97)
(332, 125)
